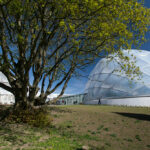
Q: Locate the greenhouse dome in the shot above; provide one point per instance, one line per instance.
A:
(108, 86)
(5, 96)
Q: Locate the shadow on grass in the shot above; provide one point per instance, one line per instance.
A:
(133, 115)
(4, 111)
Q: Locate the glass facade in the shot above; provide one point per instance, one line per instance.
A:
(105, 82)
(71, 100)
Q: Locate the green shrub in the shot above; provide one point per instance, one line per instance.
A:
(35, 117)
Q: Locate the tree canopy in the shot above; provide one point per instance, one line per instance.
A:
(43, 42)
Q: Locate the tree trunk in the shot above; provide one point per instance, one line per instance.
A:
(22, 103)
(40, 101)
(21, 100)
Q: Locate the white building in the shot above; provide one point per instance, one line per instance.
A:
(5, 96)
(107, 86)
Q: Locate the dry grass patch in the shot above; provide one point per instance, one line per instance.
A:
(106, 127)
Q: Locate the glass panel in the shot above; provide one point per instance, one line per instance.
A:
(142, 91)
(106, 84)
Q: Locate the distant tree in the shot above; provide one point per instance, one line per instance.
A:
(44, 42)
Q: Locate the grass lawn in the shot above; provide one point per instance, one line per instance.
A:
(98, 127)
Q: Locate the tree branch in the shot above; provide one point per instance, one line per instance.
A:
(7, 88)
(64, 87)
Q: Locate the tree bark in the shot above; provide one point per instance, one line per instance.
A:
(22, 101)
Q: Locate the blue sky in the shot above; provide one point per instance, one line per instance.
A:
(77, 85)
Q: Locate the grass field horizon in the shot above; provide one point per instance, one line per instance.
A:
(98, 127)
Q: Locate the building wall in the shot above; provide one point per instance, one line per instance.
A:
(137, 101)
(71, 100)
(6, 99)
(132, 101)
(5, 96)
